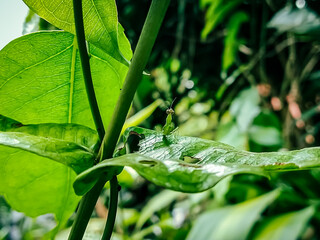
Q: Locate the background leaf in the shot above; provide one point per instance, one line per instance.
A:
(245, 108)
(230, 133)
(100, 22)
(267, 136)
(232, 222)
(142, 115)
(231, 43)
(286, 226)
(299, 21)
(155, 204)
(216, 12)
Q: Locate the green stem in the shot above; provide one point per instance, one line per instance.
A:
(140, 58)
(113, 205)
(85, 209)
(86, 205)
(141, 55)
(263, 43)
(78, 19)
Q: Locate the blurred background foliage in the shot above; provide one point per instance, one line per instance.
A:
(245, 73)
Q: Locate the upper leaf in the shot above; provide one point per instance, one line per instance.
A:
(41, 80)
(100, 22)
(190, 164)
(70, 144)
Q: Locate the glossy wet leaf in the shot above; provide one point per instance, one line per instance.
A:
(286, 226)
(70, 144)
(191, 164)
(171, 173)
(100, 23)
(231, 222)
(41, 80)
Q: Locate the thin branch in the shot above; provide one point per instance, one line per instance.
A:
(84, 57)
(85, 209)
(113, 205)
(140, 58)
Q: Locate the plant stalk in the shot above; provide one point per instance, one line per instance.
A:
(113, 205)
(86, 70)
(86, 205)
(85, 209)
(140, 58)
(141, 55)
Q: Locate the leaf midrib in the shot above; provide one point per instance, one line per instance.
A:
(72, 78)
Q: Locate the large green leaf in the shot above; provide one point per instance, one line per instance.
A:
(191, 164)
(100, 22)
(41, 80)
(232, 222)
(70, 144)
(170, 173)
(288, 226)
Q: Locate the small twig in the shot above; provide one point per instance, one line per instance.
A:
(113, 205)
(84, 57)
(180, 28)
(263, 44)
(312, 62)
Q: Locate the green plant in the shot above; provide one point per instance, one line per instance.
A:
(44, 90)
